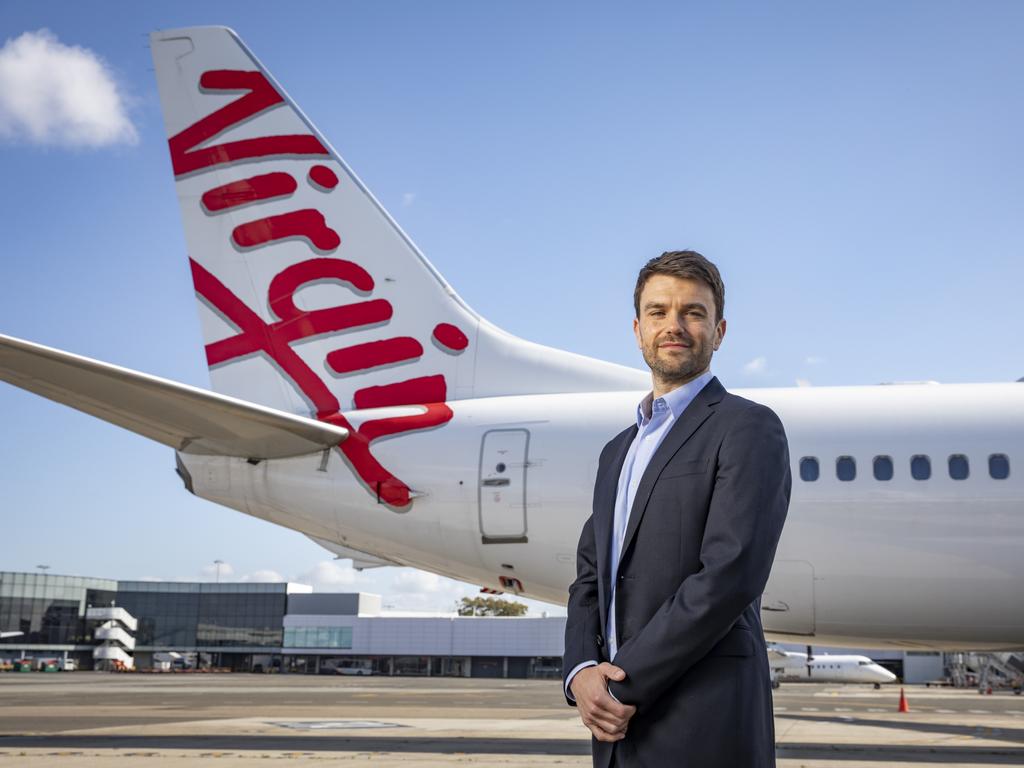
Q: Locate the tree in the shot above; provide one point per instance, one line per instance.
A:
(490, 606)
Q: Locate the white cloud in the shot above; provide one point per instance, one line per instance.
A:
(803, 383)
(813, 360)
(408, 198)
(401, 589)
(215, 572)
(55, 94)
(756, 366)
(329, 576)
(412, 581)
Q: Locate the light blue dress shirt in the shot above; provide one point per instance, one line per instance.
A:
(654, 420)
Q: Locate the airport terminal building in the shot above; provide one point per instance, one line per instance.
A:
(285, 627)
(254, 627)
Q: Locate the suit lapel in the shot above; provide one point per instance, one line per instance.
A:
(696, 413)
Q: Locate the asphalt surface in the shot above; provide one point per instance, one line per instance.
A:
(96, 719)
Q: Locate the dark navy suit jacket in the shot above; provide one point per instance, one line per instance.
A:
(696, 555)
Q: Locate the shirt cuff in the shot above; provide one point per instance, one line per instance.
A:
(575, 670)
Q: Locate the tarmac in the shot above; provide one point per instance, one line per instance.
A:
(100, 720)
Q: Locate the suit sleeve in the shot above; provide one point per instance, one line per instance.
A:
(745, 518)
(583, 621)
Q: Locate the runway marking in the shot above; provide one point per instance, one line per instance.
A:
(875, 709)
(946, 711)
(979, 711)
(777, 709)
(809, 709)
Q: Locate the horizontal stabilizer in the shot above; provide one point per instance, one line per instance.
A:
(186, 418)
(360, 560)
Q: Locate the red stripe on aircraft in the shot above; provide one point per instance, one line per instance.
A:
(308, 223)
(323, 178)
(261, 96)
(251, 190)
(374, 354)
(450, 337)
(418, 391)
(274, 339)
(284, 285)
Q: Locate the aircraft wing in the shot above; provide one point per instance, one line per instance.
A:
(188, 419)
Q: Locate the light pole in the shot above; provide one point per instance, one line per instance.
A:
(43, 568)
(218, 563)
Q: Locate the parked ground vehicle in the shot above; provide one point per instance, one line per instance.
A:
(349, 666)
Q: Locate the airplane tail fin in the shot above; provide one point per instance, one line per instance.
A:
(312, 300)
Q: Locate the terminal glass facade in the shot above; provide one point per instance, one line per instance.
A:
(318, 637)
(47, 610)
(205, 615)
(244, 619)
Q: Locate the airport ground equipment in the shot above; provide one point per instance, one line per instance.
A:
(988, 671)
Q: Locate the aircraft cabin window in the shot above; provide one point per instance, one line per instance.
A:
(808, 469)
(920, 467)
(883, 467)
(846, 468)
(958, 468)
(998, 466)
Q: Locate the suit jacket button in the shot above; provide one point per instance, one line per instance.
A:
(600, 642)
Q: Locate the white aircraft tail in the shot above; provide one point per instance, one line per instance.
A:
(312, 299)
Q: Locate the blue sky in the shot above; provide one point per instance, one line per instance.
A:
(855, 169)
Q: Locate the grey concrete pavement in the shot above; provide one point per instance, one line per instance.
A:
(83, 719)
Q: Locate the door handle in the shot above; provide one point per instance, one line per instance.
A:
(493, 482)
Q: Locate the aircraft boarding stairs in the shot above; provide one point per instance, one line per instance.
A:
(114, 631)
(987, 670)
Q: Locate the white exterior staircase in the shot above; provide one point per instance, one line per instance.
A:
(997, 670)
(115, 634)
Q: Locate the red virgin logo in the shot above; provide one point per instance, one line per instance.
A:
(274, 338)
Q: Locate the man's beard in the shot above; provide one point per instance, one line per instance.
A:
(681, 369)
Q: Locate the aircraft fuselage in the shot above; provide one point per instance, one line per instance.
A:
(903, 562)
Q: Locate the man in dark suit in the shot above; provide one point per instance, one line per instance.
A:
(664, 650)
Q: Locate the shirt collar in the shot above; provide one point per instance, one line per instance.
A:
(677, 400)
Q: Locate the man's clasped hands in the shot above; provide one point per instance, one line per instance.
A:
(601, 712)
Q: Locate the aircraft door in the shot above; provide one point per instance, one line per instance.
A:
(502, 485)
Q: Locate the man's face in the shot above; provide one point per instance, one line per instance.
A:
(676, 330)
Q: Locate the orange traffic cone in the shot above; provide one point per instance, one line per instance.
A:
(903, 703)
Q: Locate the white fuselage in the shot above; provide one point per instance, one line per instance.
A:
(828, 668)
(902, 562)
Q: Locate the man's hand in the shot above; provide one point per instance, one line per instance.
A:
(601, 713)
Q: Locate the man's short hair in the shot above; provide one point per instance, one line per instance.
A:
(685, 264)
